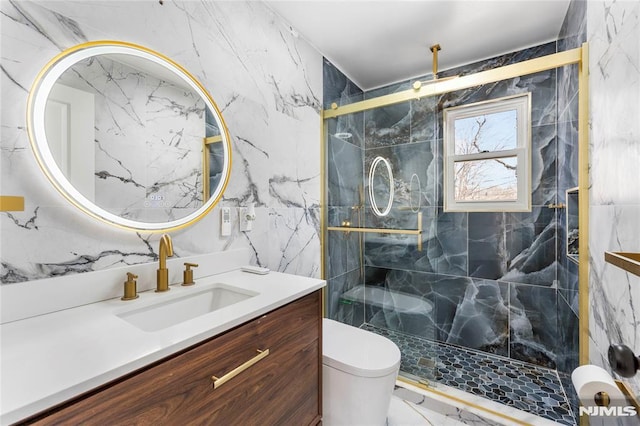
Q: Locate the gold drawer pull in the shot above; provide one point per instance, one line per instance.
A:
(217, 382)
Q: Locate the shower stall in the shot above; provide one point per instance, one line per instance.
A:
(484, 301)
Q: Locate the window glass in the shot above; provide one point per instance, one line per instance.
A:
(486, 180)
(486, 132)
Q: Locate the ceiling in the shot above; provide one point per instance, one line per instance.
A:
(380, 42)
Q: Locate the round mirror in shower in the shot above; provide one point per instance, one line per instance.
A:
(381, 183)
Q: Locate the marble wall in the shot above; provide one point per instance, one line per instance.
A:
(266, 81)
(142, 181)
(613, 29)
(490, 279)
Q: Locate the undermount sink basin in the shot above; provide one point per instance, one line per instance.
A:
(174, 311)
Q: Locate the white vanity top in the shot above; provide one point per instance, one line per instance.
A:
(49, 358)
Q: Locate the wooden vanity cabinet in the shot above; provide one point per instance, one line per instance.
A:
(283, 388)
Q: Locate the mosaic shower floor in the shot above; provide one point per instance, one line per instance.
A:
(520, 385)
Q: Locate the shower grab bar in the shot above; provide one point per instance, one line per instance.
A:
(384, 230)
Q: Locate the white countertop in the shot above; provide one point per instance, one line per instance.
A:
(50, 358)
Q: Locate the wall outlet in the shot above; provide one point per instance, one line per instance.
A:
(245, 223)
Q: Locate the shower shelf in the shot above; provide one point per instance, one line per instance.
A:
(417, 232)
(630, 262)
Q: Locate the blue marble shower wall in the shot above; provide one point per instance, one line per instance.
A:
(497, 282)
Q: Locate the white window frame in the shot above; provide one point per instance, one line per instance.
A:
(522, 105)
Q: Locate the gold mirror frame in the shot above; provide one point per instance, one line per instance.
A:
(39, 93)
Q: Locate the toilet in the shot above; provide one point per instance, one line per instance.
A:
(359, 371)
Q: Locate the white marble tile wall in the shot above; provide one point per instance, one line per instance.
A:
(614, 65)
(266, 81)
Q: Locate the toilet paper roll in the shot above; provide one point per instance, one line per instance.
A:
(588, 380)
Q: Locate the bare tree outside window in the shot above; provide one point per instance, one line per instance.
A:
(492, 179)
(487, 155)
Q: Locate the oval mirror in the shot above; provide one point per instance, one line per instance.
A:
(129, 136)
(380, 182)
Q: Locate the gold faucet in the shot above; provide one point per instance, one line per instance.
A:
(166, 250)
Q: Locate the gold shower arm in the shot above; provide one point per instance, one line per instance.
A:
(434, 49)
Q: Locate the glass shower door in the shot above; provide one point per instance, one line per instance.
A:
(377, 219)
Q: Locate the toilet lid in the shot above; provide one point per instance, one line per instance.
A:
(358, 352)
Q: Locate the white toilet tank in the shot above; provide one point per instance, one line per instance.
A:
(359, 370)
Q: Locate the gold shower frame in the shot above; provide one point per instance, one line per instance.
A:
(578, 56)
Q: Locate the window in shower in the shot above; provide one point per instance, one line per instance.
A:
(487, 160)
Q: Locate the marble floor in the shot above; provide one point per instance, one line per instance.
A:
(406, 413)
(511, 384)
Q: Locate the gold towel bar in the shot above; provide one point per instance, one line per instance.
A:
(375, 230)
(219, 381)
(383, 230)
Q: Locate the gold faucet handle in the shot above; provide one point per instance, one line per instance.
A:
(187, 275)
(130, 291)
